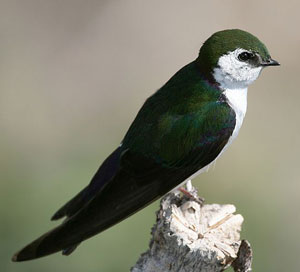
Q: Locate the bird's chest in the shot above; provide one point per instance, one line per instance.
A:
(237, 100)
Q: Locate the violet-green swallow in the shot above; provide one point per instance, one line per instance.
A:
(179, 131)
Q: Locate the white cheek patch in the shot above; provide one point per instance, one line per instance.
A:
(232, 73)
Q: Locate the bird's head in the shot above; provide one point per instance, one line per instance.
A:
(234, 58)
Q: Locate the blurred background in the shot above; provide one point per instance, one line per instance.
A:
(73, 75)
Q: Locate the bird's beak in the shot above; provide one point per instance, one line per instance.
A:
(269, 62)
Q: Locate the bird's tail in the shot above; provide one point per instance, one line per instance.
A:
(125, 194)
(46, 244)
(71, 232)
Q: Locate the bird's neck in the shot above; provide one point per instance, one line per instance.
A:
(237, 99)
(235, 92)
(206, 74)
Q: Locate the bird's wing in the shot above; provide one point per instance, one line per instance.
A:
(167, 137)
(104, 174)
(138, 177)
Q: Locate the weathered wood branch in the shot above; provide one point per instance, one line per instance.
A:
(189, 237)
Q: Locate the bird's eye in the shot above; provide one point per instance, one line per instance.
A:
(244, 56)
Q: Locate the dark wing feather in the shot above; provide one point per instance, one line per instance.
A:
(138, 182)
(104, 174)
(125, 195)
(179, 130)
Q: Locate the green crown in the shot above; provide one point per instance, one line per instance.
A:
(225, 41)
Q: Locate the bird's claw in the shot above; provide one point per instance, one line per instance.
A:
(192, 194)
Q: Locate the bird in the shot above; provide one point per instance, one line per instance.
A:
(177, 134)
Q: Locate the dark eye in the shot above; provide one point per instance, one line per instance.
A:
(244, 56)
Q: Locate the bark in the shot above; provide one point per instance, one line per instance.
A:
(191, 237)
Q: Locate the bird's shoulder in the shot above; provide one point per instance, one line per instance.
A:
(186, 113)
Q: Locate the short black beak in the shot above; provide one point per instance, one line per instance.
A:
(269, 62)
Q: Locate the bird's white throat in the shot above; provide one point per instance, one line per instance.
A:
(234, 76)
(237, 100)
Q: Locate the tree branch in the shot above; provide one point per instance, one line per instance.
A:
(189, 237)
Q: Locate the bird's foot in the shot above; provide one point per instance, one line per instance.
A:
(191, 193)
(191, 196)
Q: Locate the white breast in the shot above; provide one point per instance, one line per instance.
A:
(237, 99)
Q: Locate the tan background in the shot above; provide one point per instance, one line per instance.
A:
(73, 74)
